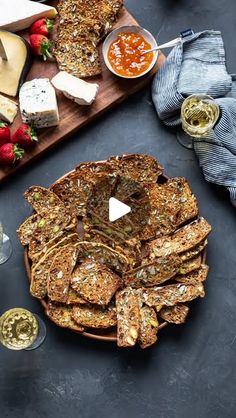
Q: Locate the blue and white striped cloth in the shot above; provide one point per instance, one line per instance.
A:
(198, 66)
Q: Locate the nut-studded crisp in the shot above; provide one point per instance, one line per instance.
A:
(95, 282)
(45, 202)
(62, 316)
(195, 276)
(26, 230)
(174, 314)
(95, 316)
(40, 271)
(74, 297)
(165, 206)
(157, 272)
(60, 273)
(193, 252)
(172, 294)
(82, 25)
(138, 167)
(105, 255)
(184, 239)
(130, 248)
(190, 265)
(187, 200)
(128, 317)
(148, 327)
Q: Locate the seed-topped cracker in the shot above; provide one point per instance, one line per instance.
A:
(187, 200)
(40, 271)
(190, 265)
(172, 294)
(105, 255)
(128, 317)
(148, 327)
(157, 272)
(139, 167)
(62, 316)
(174, 314)
(26, 230)
(92, 316)
(193, 277)
(95, 282)
(184, 239)
(60, 273)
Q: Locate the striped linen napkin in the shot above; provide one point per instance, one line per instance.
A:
(198, 66)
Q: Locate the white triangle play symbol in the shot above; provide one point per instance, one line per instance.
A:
(117, 209)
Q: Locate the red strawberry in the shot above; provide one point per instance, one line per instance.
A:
(9, 153)
(5, 133)
(42, 26)
(41, 46)
(24, 136)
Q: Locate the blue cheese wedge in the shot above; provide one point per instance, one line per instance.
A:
(74, 88)
(8, 109)
(38, 103)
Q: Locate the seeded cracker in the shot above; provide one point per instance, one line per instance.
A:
(95, 282)
(128, 317)
(60, 273)
(170, 295)
(182, 240)
(148, 327)
(174, 314)
(40, 271)
(25, 231)
(62, 316)
(190, 265)
(95, 316)
(195, 276)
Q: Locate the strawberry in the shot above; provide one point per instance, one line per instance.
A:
(24, 136)
(9, 153)
(42, 26)
(41, 45)
(5, 133)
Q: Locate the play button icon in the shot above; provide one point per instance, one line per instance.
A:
(117, 209)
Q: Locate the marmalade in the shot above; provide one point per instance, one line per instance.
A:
(125, 54)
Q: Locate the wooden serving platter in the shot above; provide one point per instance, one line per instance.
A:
(109, 334)
(112, 90)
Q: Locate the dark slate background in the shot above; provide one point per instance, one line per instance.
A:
(191, 371)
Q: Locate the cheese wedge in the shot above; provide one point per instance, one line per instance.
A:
(74, 88)
(17, 15)
(8, 109)
(38, 103)
(13, 71)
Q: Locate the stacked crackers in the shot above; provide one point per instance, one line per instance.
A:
(82, 25)
(110, 277)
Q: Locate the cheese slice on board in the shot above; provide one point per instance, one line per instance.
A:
(8, 109)
(13, 71)
(74, 88)
(17, 15)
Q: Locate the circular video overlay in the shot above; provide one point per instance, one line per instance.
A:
(118, 207)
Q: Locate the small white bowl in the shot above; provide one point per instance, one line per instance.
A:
(135, 29)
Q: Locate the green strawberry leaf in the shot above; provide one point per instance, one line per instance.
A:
(45, 49)
(33, 134)
(2, 124)
(49, 24)
(18, 152)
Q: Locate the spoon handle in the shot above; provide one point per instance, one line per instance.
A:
(169, 44)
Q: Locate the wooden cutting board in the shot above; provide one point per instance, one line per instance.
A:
(112, 90)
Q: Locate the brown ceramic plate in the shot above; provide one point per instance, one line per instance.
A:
(99, 334)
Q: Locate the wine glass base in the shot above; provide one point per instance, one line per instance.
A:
(41, 334)
(5, 249)
(185, 140)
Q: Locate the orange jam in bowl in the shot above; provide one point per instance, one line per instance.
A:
(125, 54)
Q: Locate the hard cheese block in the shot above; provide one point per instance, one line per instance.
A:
(13, 71)
(38, 103)
(17, 15)
(8, 109)
(74, 88)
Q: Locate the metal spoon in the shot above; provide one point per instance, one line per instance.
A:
(169, 44)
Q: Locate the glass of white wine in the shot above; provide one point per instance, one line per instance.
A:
(199, 114)
(21, 330)
(5, 246)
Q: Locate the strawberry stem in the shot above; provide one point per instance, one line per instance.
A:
(49, 24)
(18, 152)
(33, 134)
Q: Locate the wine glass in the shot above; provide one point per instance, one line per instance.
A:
(5, 246)
(21, 330)
(199, 114)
